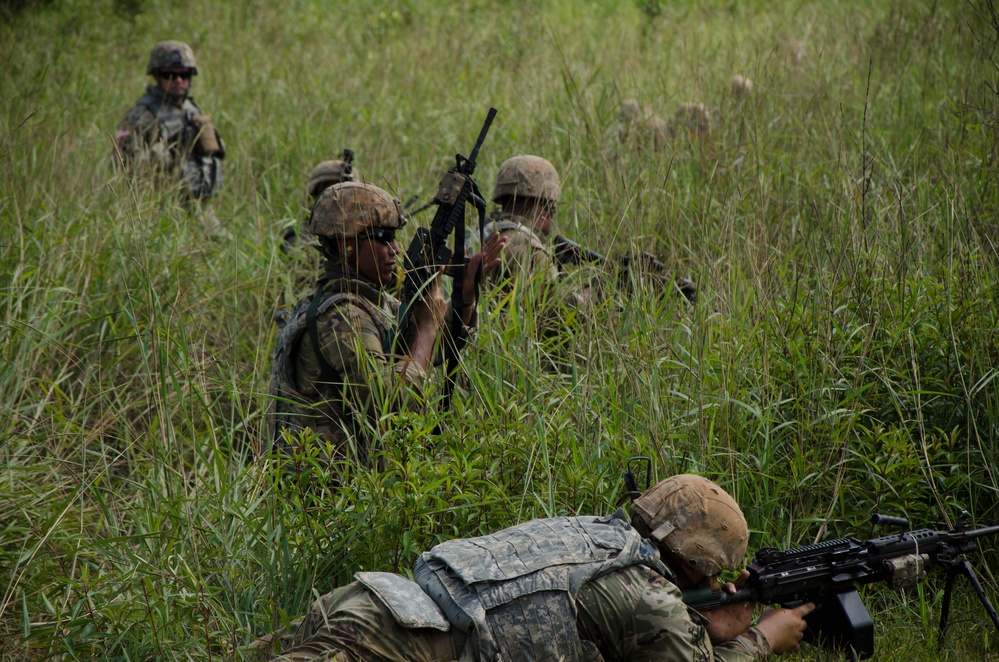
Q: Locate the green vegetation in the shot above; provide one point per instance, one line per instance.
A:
(842, 359)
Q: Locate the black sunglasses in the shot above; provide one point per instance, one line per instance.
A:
(173, 75)
(381, 235)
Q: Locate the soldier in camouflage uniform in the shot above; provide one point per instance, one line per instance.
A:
(563, 588)
(338, 366)
(165, 133)
(528, 191)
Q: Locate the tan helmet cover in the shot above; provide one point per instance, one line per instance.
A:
(171, 55)
(527, 177)
(344, 209)
(331, 172)
(696, 520)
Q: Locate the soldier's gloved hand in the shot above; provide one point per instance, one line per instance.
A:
(784, 628)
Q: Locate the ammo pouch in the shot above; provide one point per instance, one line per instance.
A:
(208, 141)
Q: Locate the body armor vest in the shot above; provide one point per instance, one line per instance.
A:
(175, 128)
(293, 406)
(514, 592)
(508, 223)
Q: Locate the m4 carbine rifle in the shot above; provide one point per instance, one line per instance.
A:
(569, 252)
(428, 251)
(828, 572)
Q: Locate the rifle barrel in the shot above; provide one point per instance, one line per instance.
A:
(482, 138)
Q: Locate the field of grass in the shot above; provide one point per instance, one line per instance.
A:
(842, 359)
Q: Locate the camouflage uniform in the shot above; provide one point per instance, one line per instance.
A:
(157, 135)
(175, 140)
(351, 624)
(641, 129)
(528, 270)
(636, 614)
(526, 255)
(325, 174)
(355, 325)
(563, 588)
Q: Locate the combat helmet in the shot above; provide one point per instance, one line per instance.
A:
(527, 177)
(171, 55)
(344, 209)
(331, 172)
(694, 519)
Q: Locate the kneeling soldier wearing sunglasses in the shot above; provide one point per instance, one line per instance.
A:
(339, 365)
(165, 133)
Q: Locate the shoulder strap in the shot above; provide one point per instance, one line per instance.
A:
(150, 103)
(507, 226)
(330, 374)
(328, 294)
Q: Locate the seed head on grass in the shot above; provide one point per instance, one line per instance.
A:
(694, 116)
(637, 125)
(741, 86)
(793, 49)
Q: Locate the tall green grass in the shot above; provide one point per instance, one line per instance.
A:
(842, 358)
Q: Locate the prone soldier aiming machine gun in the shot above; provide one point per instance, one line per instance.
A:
(828, 572)
(569, 252)
(428, 251)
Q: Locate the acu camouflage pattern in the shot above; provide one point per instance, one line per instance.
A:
(627, 615)
(355, 323)
(410, 606)
(630, 615)
(514, 591)
(162, 138)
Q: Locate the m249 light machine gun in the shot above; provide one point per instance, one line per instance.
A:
(827, 573)
(429, 251)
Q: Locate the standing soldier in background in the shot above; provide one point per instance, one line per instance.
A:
(166, 132)
(564, 588)
(338, 365)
